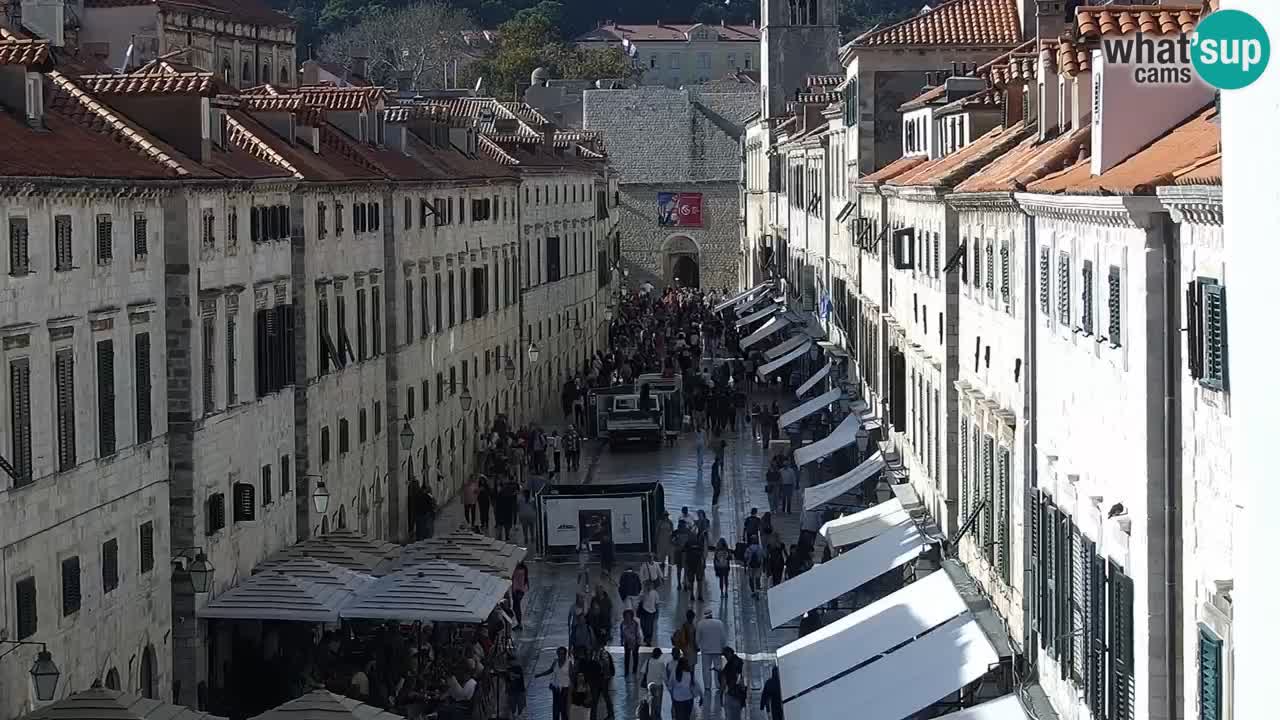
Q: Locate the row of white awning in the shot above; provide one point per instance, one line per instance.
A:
(896, 656)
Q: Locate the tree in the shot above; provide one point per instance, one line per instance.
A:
(417, 42)
(531, 40)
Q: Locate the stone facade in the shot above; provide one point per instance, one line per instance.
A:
(796, 40)
(646, 245)
(72, 529)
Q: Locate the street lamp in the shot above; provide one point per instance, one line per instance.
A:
(577, 330)
(319, 496)
(465, 399)
(533, 352)
(608, 312)
(510, 369)
(197, 573)
(406, 434)
(44, 673)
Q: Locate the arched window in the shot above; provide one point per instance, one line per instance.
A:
(265, 77)
(342, 517)
(795, 11)
(284, 74)
(246, 73)
(147, 674)
(226, 70)
(813, 12)
(113, 679)
(324, 525)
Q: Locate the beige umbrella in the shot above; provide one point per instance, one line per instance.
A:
(99, 703)
(324, 705)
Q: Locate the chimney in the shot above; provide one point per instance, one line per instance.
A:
(47, 19)
(549, 136)
(1048, 95)
(13, 13)
(1015, 97)
(360, 62)
(404, 82)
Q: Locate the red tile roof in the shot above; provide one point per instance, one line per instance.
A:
(1206, 171)
(23, 52)
(152, 83)
(815, 81)
(1073, 57)
(947, 171)
(893, 169)
(989, 99)
(667, 33)
(340, 98)
(979, 23)
(248, 11)
(1113, 20)
(1159, 163)
(1028, 162)
(930, 96)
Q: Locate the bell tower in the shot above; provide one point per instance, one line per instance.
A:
(798, 38)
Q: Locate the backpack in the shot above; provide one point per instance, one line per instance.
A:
(753, 560)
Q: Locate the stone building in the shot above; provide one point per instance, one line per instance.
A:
(680, 54)
(245, 42)
(702, 132)
(84, 501)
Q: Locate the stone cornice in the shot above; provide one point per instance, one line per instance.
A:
(1127, 211)
(1193, 204)
(85, 188)
(922, 193)
(999, 201)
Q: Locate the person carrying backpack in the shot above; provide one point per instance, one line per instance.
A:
(755, 562)
(721, 561)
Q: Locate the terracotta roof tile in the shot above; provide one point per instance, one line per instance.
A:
(989, 99)
(154, 83)
(526, 113)
(246, 139)
(947, 171)
(1094, 21)
(931, 96)
(340, 98)
(1157, 164)
(496, 152)
(1206, 171)
(816, 81)
(1073, 57)
(982, 23)
(667, 33)
(24, 52)
(893, 169)
(1028, 162)
(277, 103)
(248, 11)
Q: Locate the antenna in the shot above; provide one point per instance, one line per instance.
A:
(479, 82)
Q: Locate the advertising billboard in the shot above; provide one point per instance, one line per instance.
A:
(679, 209)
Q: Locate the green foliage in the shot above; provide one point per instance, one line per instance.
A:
(531, 40)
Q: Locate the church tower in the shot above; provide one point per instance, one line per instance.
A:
(798, 38)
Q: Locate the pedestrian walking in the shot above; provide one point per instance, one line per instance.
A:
(755, 562)
(527, 511)
(684, 689)
(470, 493)
(582, 698)
(504, 510)
(573, 448)
(771, 697)
(735, 701)
(652, 678)
(648, 611)
(695, 564)
(721, 562)
(584, 560)
(711, 640)
(789, 478)
(424, 511)
(679, 540)
(651, 572)
(607, 556)
(664, 540)
(561, 671)
(700, 442)
(629, 632)
(716, 481)
(519, 587)
(516, 690)
(484, 498)
(553, 447)
(604, 689)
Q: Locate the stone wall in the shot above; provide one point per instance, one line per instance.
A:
(719, 238)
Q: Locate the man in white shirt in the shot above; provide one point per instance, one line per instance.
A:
(648, 611)
(711, 638)
(651, 571)
(653, 677)
(462, 692)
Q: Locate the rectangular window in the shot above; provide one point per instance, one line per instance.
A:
(462, 296)
(436, 288)
(207, 239)
(140, 233)
(231, 358)
(362, 425)
(285, 468)
(65, 393)
(362, 327)
(1121, 669)
(377, 418)
(215, 514)
(19, 240)
(1064, 289)
(453, 319)
(62, 260)
(411, 409)
(988, 494)
(267, 498)
(1004, 552)
(110, 565)
(1086, 297)
(479, 292)
(1207, 332)
(553, 258)
(142, 384)
(146, 547)
(990, 249)
(1044, 280)
(25, 608)
(1113, 306)
(106, 355)
(20, 419)
(1210, 680)
(344, 353)
(425, 307)
(1006, 272)
(327, 352)
(206, 351)
(324, 444)
(408, 310)
(322, 220)
(70, 586)
(977, 263)
(243, 507)
(376, 323)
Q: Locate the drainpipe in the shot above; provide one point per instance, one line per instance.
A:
(1030, 645)
(1172, 459)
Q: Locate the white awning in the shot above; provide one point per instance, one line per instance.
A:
(802, 411)
(776, 323)
(758, 315)
(843, 573)
(931, 668)
(302, 590)
(798, 352)
(862, 526)
(845, 434)
(1005, 708)
(433, 591)
(739, 297)
(785, 347)
(814, 379)
(871, 423)
(463, 548)
(868, 632)
(819, 495)
(755, 302)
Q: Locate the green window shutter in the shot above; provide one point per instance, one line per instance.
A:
(1096, 683)
(1062, 630)
(1214, 305)
(1051, 579)
(1034, 590)
(1121, 657)
(1079, 604)
(1210, 675)
(964, 469)
(1002, 514)
(1195, 348)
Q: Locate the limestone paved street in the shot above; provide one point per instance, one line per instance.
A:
(746, 619)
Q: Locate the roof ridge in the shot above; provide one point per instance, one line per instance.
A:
(989, 27)
(499, 153)
(338, 138)
(256, 146)
(124, 130)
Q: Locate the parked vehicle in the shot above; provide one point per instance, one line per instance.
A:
(628, 422)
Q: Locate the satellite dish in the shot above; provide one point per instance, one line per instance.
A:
(479, 82)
